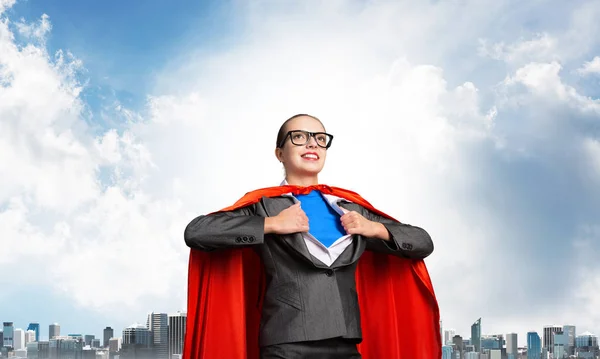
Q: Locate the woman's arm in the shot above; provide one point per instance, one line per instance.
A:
(239, 228)
(388, 236)
(242, 227)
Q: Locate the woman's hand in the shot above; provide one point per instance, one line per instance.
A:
(290, 220)
(354, 223)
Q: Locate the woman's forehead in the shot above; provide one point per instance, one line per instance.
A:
(305, 123)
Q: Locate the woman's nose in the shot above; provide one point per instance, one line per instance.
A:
(312, 141)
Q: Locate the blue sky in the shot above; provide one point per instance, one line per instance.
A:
(482, 116)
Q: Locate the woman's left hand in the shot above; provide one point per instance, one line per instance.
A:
(354, 223)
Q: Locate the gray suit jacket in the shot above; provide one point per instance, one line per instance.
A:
(304, 299)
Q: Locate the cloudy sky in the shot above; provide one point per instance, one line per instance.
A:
(478, 120)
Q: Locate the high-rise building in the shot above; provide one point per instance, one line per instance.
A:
(511, 344)
(114, 345)
(448, 335)
(476, 335)
(19, 339)
(32, 350)
(65, 347)
(534, 346)
(457, 342)
(158, 324)
(88, 339)
(108, 333)
(29, 337)
(8, 335)
(43, 350)
(587, 346)
(586, 339)
(36, 328)
(549, 331)
(447, 352)
(137, 334)
(53, 331)
(137, 342)
(492, 342)
(570, 332)
(95, 343)
(176, 333)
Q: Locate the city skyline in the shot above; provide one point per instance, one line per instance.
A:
(522, 337)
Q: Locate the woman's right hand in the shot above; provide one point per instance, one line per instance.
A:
(290, 220)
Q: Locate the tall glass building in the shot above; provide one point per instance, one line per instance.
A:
(534, 346)
(158, 325)
(176, 333)
(8, 335)
(476, 335)
(108, 333)
(447, 352)
(549, 332)
(53, 331)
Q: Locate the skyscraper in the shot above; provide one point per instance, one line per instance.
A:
(549, 331)
(534, 346)
(53, 331)
(457, 341)
(29, 337)
(36, 328)
(476, 335)
(176, 333)
(511, 344)
(8, 337)
(158, 324)
(108, 333)
(114, 345)
(570, 332)
(19, 339)
(447, 352)
(88, 339)
(448, 335)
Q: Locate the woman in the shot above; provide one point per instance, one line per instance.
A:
(309, 239)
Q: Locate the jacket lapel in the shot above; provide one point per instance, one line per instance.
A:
(273, 206)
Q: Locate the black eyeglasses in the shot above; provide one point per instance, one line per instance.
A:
(299, 138)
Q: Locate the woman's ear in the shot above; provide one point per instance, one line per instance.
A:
(279, 154)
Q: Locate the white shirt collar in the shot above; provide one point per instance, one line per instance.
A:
(331, 199)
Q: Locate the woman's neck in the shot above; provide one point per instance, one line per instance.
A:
(302, 181)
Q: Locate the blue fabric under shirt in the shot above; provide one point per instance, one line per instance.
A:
(323, 220)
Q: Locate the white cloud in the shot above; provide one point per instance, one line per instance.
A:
(542, 47)
(37, 31)
(591, 67)
(544, 81)
(6, 4)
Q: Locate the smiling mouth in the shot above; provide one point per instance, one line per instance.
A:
(310, 156)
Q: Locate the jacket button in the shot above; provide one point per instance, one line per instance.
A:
(238, 240)
(251, 239)
(329, 272)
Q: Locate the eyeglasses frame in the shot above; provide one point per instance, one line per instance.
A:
(310, 134)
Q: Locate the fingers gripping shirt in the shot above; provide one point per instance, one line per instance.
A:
(323, 220)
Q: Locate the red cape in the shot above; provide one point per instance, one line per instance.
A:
(398, 308)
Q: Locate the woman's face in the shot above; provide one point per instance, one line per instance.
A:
(307, 159)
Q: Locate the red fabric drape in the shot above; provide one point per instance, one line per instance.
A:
(398, 307)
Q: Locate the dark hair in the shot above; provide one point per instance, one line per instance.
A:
(283, 129)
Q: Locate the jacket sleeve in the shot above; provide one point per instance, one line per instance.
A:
(405, 240)
(239, 228)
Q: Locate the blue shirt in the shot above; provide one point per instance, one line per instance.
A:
(323, 221)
